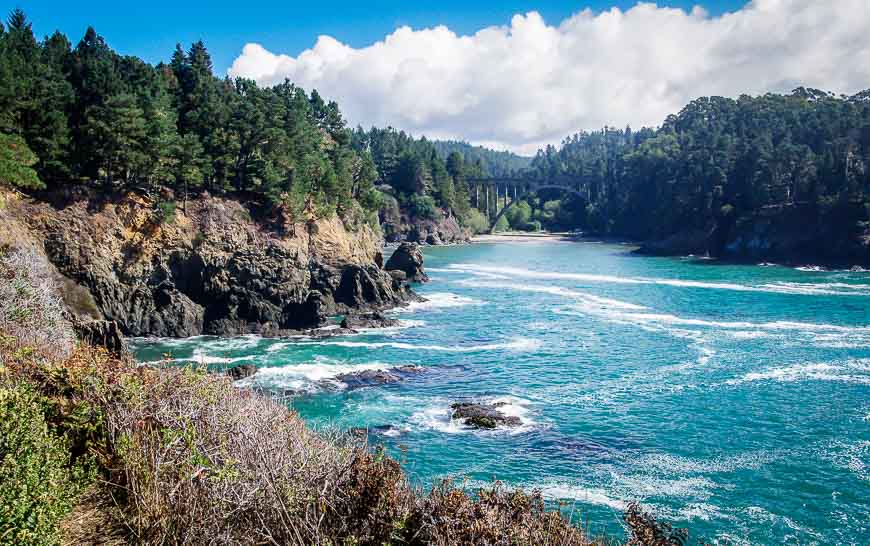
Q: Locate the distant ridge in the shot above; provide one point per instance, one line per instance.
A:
(493, 162)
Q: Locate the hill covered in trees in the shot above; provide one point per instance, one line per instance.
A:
(84, 114)
(724, 176)
(491, 162)
(784, 176)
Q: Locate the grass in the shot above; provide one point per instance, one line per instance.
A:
(31, 312)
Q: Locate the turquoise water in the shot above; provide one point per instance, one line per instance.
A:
(733, 400)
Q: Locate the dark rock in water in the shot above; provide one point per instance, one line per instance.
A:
(368, 320)
(367, 378)
(793, 234)
(241, 371)
(380, 430)
(102, 333)
(485, 416)
(409, 260)
(333, 332)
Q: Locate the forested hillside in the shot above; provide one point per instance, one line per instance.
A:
(421, 186)
(491, 162)
(720, 158)
(84, 114)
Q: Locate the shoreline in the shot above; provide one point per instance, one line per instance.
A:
(523, 236)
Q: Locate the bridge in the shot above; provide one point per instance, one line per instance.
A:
(509, 190)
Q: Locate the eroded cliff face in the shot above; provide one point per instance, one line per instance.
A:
(212, 269)
(443, 230)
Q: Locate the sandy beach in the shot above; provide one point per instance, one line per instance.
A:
(524, 237)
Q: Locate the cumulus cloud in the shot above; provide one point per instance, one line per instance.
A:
(532, 83)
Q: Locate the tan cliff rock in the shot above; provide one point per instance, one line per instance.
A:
(210, 269)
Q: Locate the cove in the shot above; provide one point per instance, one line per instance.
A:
(733, 400)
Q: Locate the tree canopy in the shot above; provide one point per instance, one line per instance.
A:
(719, 159)
(87, 115)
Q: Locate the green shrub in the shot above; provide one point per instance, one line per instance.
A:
(502, 225)
(519, 215)
(476, 221)
(373, 199)
(16, 162)
(164, 212)
(423, 206)
(534, 226)
(38, 485)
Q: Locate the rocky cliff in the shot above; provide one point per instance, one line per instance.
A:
(399, 226)
(211, 269)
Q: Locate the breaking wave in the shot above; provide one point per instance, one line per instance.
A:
(519, 344)
(853, 371)
(439, 300)
(838, 289)
(438, 417)
(312, 376)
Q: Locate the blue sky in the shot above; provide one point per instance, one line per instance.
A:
(150, 29)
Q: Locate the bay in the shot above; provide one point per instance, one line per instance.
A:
(733, 400)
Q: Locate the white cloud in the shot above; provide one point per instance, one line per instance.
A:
(530, 83)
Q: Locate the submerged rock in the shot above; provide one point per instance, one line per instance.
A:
(483, 416)
(368, 320)
(323, 333)
(242, 371)
(380, 430)
(368, 378)
(408, 259)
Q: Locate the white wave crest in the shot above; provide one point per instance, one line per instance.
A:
(853, 371)
(854, 334)
(311, 376)
(439, 417)
(439, 300)
(588, 495)
(839, 289)
(519, 344)
(200, 357)
(598, 301)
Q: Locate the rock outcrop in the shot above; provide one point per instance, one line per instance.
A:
(102, 333)
(483, 416)
(407, 259)
(399, 226)
(211, 269)
(368, 378)
(368, 320)
(242, 371)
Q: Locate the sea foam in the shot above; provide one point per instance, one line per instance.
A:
(838, 289)
(518, 344)
(312, 376)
